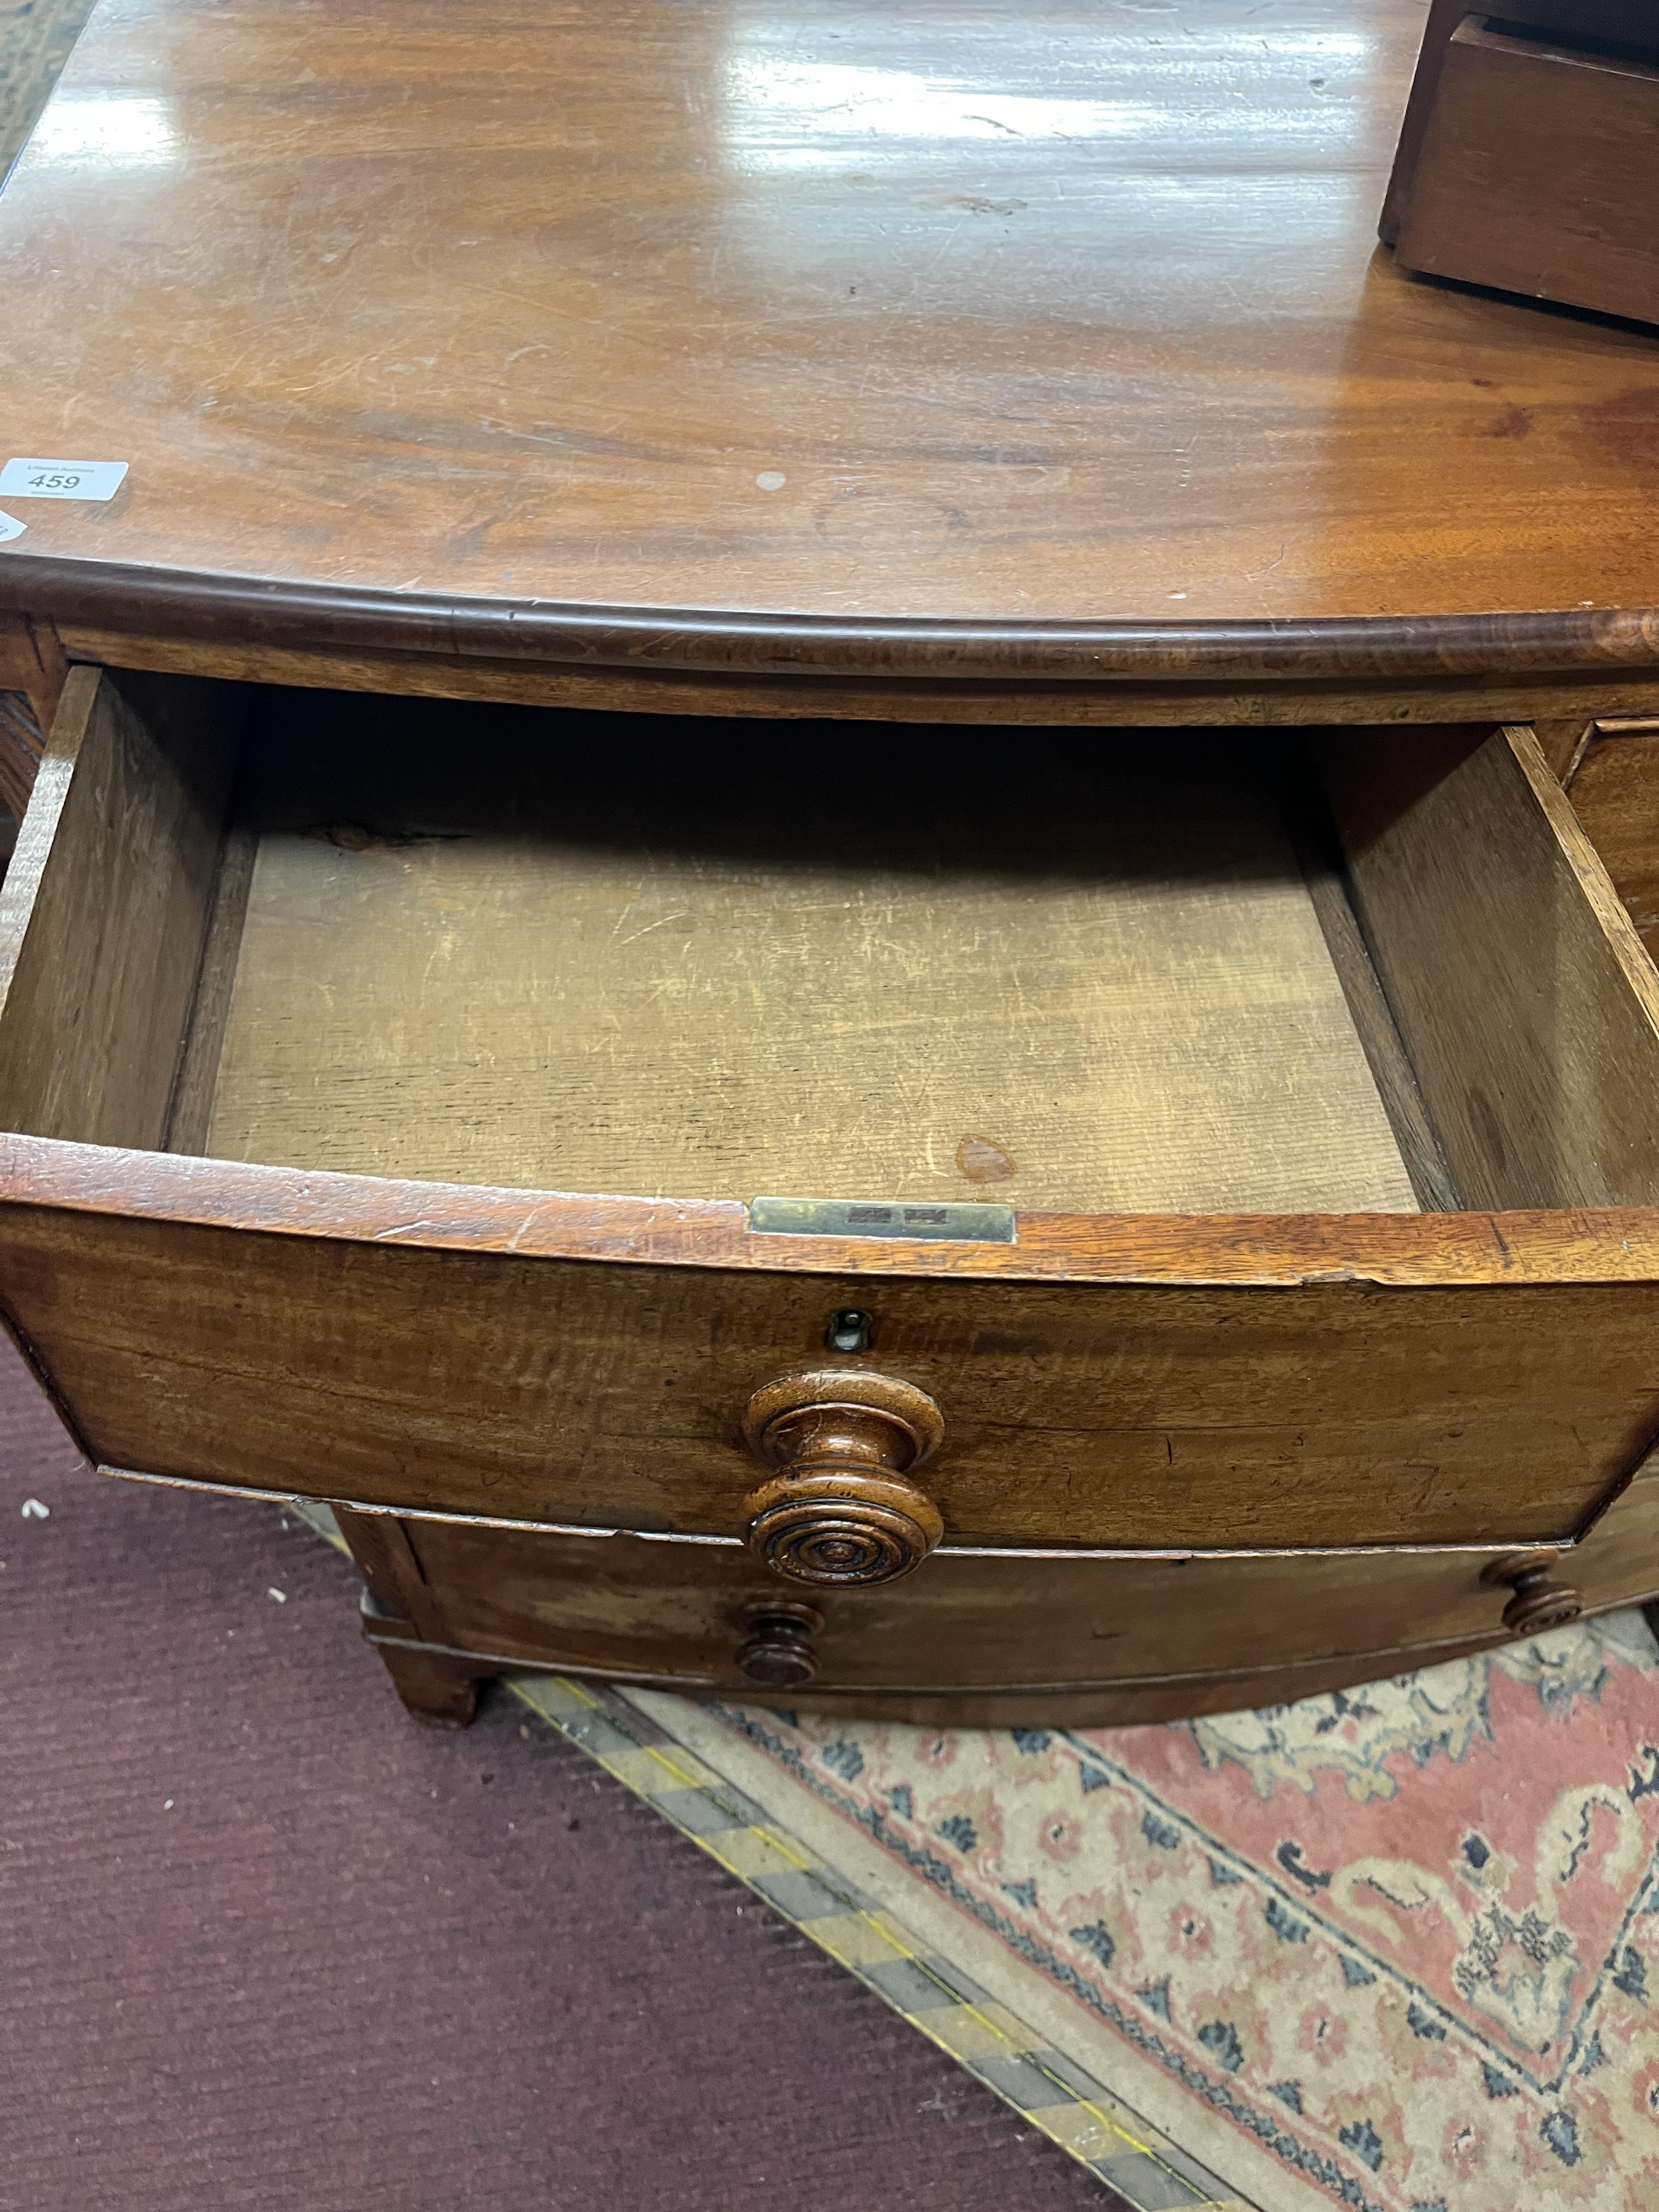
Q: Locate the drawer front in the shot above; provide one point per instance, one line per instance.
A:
(601, 1394)
(1205, 1629)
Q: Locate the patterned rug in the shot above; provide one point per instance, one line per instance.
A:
(1396, 1949)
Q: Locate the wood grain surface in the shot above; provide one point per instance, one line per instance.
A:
(1115, 1414)
(1619, 22)
(190, 1113)
(978, 1640)
(621, 1604)
(1578, 220)
(1612, 781)
(1526, 999)
(729, 967)
(1211, 1381)
(102, 911)
(1601, 1245)
(1324, 869)
(23, 741)
(32, 670)
(1501, 690)
(1050, 343)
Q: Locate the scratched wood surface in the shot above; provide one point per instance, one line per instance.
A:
(742, 964)
(619, 1605)
(1333, 1414)
(533, 330)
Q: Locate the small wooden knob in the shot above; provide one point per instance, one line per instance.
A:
(778, 1654)
(1538, 1604)
(840, 1510)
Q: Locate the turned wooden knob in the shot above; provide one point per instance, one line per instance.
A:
(1538, 1604)
(778, 1653)
(839, 1511)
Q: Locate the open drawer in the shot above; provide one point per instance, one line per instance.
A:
(1306, 1089)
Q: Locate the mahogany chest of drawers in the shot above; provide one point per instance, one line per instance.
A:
(799, 886)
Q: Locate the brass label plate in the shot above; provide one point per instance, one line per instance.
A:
(856, 1217)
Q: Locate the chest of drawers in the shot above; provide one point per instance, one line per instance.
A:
(993, 1078)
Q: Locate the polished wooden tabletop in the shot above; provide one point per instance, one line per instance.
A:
(806, 333)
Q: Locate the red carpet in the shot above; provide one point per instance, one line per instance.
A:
(266, 1942)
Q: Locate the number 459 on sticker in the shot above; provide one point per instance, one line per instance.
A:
(22, 479)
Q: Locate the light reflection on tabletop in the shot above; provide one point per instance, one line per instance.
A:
(1075, 312)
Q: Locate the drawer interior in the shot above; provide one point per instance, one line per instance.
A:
(1097, 972)
(717, 960)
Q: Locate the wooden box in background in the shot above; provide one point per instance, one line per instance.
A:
(1530, 158)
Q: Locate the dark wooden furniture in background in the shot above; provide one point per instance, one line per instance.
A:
(887, 610)
(1530, 155)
